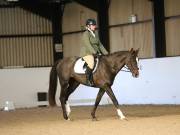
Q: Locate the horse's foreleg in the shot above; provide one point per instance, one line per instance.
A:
(98, 99)
(114, 100)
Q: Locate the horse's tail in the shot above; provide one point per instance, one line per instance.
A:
(52, 85)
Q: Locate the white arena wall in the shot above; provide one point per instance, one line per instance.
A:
(158, 83)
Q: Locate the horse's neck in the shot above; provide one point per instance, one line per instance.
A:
(116, 62)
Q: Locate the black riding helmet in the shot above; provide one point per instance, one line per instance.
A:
(90, 22)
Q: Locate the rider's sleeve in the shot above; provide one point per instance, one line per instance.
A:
(103, 50)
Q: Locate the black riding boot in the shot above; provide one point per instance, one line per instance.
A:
(89, 76)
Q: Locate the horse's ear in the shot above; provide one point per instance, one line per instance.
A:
(132, 50)
(137, 51)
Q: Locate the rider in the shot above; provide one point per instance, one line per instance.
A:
(91, 46)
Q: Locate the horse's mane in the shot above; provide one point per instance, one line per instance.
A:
(117, 54)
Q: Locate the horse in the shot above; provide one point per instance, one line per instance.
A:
(109, 65)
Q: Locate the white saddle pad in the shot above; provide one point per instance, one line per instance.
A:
(78, 67)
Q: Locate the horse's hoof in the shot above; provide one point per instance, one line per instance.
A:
(68, 119)
(95, 119)
(124, 118)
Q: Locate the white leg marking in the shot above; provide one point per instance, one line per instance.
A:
(68, 109)
(120, 114)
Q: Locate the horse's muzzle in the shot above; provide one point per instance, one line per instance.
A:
(135, 73)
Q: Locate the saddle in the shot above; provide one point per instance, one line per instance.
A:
(79, 65)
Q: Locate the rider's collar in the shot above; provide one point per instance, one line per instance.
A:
(93, 34)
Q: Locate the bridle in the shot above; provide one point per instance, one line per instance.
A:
(129, 63)
(126, 69)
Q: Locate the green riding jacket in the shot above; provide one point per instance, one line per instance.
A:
(91, 44)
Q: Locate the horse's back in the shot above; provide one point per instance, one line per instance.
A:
(65, 66)
(67, 61)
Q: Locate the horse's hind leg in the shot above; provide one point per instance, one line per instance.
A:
(63, 99)
(98, 99)
(71, 88)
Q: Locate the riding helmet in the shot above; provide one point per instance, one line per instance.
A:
(91, 22)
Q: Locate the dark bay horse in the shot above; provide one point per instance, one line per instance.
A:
(109, 66)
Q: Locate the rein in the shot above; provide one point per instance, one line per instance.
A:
(127, 69)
